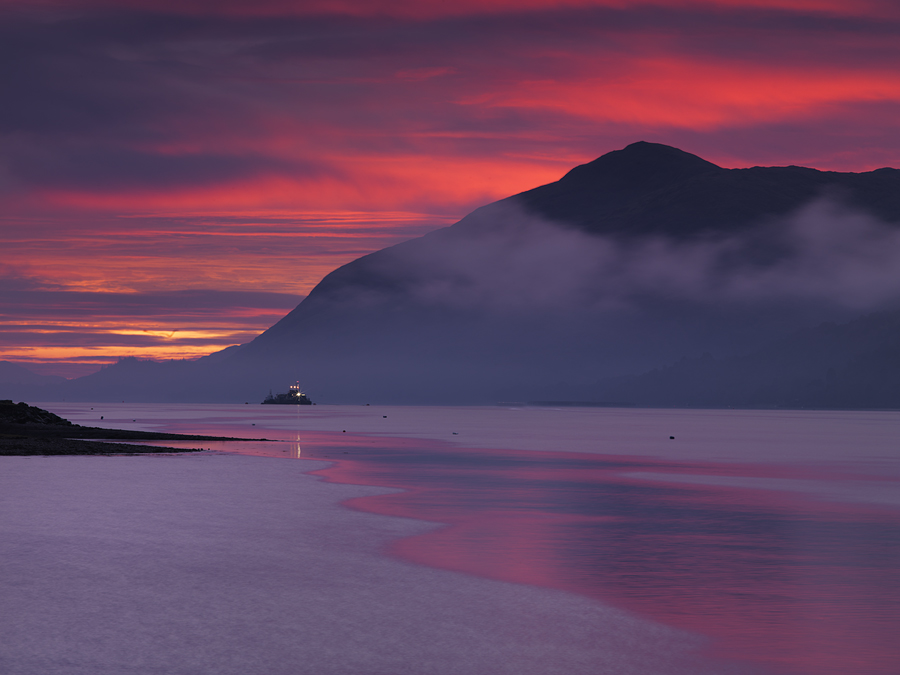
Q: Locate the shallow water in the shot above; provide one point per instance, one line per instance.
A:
(233, 565)
(776, 534)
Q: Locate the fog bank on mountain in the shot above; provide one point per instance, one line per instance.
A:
(646, 256)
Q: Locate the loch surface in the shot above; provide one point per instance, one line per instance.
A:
(773, 534)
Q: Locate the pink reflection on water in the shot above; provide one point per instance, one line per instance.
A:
(788, 578)
(778, 578)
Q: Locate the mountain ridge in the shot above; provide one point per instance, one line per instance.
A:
(734, 198)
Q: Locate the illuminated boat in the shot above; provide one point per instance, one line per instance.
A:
(293, 397)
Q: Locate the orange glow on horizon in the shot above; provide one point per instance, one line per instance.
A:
(110, 353)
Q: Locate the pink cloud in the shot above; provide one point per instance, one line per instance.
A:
(195, 145)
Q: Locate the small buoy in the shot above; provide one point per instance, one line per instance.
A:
(671, 438)
(101, 417)
(345, 431)
(254, 424)
(384, 416)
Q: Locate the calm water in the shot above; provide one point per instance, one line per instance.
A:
(775, 534)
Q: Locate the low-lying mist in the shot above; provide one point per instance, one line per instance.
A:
(513, 306)
(824, 253)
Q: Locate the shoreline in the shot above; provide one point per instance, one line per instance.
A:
(25, 446)
(29, 431)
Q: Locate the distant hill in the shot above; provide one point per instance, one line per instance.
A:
(629, 263)
(20, 383)
(13, 373)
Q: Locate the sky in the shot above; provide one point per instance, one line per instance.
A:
(176, 176)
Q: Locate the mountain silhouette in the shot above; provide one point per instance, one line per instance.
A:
(627, 264)
(23, 383)
(648, 188)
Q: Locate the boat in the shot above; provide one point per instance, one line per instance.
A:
(293, 397)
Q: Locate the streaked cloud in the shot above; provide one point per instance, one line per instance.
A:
(80, 330)
(154, 147)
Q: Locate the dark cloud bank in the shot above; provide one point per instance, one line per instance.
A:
(117, 96)
(648, 276)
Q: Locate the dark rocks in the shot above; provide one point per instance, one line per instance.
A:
(29, 430)
(29, 446)
(22, 413)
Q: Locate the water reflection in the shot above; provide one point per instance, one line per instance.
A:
(781, 579)
(296, 451)
(776, 576)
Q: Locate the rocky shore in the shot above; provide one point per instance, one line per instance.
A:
(29, 430)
